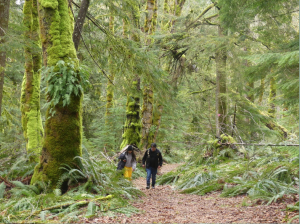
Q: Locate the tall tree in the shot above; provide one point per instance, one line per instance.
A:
(147, 108)
(30, 95)
(79, 22)
(110, 85)
(132, 126)
(4, 17)
(63, 125)
(221, 85)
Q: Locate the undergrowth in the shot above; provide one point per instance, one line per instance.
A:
(95, 189)
(264, 174)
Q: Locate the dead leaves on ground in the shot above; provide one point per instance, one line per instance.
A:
(165, 205)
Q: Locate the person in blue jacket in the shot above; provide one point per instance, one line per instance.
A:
(153, 160)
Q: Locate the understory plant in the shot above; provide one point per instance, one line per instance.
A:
(263, 174)
(95, 188)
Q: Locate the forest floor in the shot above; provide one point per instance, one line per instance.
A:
(166, 205)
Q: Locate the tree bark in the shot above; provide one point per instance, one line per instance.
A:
(132, 127)
(79, 22)
(221, 105)
(30, 94)
(272, 96)
(63, 129)
(4, 18)
(157, 114)
(110, 86)
(147, 113)
(147, 108)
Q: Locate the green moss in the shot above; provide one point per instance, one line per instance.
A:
(147, 117)
(132, 126)
(63, 130)
(216, 144)
(62, 142)
(52, 4)
(30, 93)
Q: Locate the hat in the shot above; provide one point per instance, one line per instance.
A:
(129, 148)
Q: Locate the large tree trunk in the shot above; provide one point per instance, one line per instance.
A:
(4, 17)
(157, 114)
(63, 129)
(132, 127)
(30, 94)
(147, 108)
(147, 114)
(79, 22)
(110, 88)
(221, 105)
(272, 125)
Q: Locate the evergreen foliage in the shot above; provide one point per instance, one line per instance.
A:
(265, 174)
(178, 59)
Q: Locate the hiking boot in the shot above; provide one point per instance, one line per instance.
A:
(148, 187)
(153, 187)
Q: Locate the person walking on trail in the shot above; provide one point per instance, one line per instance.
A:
(127, 161)
(153, 160)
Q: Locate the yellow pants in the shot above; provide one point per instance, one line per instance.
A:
(128, 172)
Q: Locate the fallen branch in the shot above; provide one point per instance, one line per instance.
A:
(7, 183)
(80, 203)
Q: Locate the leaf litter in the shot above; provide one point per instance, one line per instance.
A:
(166, 205)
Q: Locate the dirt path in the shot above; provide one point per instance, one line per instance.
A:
(165, 205)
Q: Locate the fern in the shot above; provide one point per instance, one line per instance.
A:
(204, 188)
(25, 190)
(168, 178)
(2, 189)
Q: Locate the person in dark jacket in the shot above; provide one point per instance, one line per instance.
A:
(153, 160)
(127, 160)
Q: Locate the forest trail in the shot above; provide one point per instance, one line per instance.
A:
(166, 205)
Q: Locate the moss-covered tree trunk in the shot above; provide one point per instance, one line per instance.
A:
(63, 129)
(147, 108)
(30, 94)
(147, 113)
(110, 86)
(4, 17)
(221, 105)
(132, 127)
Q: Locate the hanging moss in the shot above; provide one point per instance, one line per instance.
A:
(63, 129)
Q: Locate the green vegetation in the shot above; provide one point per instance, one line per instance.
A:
(266, 174)
(96, 189)
(216, 89)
